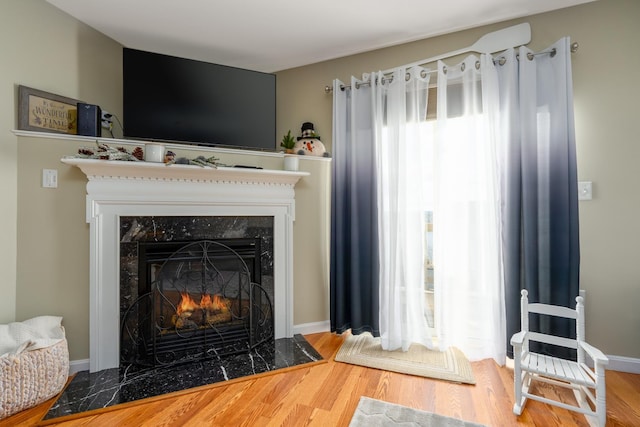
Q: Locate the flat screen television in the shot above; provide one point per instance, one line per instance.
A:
(171, 99)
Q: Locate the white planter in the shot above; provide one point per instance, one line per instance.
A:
(291, 162)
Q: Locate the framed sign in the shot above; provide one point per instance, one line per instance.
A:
(46, 112)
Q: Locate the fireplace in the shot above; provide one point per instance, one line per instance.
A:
(189, 291)
(148, 190)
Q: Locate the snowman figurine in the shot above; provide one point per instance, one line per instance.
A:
(309, 143)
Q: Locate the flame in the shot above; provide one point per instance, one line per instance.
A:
(187, 304)
(215, 304)
(205, 302)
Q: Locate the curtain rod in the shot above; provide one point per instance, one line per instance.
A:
(574, 48)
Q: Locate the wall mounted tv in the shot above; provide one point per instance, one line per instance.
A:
(166, 98)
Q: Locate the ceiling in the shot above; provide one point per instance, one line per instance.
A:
(276, 35)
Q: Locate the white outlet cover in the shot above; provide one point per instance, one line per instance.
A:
(49, 178)
(585, 191)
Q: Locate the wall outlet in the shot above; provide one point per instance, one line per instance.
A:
(585, 190)
(49, 178)
(107, 120)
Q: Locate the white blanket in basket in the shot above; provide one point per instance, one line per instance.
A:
(32, 334)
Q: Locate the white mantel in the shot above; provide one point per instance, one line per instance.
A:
(119, 188)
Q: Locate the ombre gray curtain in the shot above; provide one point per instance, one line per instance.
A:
(354, 222)
(538, 194)
(540, 189)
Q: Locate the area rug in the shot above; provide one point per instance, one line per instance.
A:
(372, 413)
(365, 350)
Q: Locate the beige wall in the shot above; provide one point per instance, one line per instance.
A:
(53, 241)
(606, 94)
(43, 253)
(45, 49)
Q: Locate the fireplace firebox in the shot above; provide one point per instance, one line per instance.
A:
(193, 288)
(197, 300)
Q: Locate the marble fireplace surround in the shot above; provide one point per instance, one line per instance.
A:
(118, 188)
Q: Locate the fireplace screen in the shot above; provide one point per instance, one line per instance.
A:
(197, 300)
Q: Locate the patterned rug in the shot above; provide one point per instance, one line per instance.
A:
(376, 413)
(365, 350)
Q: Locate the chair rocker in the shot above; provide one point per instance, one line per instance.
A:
(588, 384)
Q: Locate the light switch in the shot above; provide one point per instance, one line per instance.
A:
(49, 178)
(584, 190)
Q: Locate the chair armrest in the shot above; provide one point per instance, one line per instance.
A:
(597, 356)
(518, 338)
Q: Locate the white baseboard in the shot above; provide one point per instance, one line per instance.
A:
(616, 363)
(312, 328)
(78, 365)
(624, 364)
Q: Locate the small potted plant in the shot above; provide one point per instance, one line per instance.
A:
(288, 142)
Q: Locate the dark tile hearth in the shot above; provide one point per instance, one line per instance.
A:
(90, 391)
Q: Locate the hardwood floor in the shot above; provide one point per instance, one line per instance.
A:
(327, 394)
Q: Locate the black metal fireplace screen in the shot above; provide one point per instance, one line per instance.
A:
(197, 300)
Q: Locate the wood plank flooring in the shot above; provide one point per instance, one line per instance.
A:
(327, 395)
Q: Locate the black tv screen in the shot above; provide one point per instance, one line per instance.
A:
(166, 98)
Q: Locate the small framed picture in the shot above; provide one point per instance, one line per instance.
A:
(46, 112)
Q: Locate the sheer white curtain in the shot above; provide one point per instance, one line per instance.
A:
(468, 281)
(402, 158)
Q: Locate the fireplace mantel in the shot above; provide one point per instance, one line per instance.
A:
(120, 188)
(110, 169)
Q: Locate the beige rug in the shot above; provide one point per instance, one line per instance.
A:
(365, 350)
(376, 413)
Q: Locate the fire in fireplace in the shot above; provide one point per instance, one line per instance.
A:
(196, 300)
(208, 312)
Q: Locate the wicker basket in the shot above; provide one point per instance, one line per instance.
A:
(31, 377)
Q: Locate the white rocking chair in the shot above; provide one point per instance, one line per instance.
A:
(588, 384)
